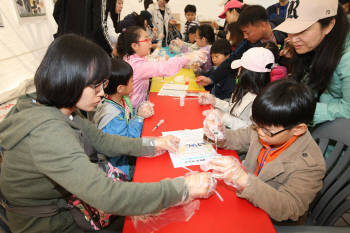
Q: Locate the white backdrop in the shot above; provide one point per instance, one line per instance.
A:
(23, 42)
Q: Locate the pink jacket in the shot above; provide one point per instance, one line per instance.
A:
(144, 70)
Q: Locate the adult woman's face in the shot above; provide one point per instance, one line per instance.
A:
(308, 40)
(232, 17)
(119, 6)
(161, 3)
(90, 98)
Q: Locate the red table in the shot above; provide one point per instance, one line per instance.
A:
(232, 215)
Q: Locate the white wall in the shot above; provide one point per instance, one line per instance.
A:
(23, 42)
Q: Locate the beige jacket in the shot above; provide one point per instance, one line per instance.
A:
(285, 186)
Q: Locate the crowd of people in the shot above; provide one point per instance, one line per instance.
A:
(271, 75)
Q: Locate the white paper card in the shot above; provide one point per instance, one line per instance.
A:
(192, 149)
(170, 89)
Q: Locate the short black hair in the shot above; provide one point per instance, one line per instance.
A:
(221, 46)
(190, 8)
(284, 102)
(70, 64)
(192, 29)
(251, 15)
(121, 73)
(207, 32)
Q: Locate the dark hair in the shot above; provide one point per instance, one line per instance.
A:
(251, 15)
(192, 29)
(121, 73)
(236, 35)
(284, 103)
(221, 46)
(249, 81)
(110, 8)
(190, 8)
(207, 32)
(146, 3)
(70, 64)
(270, 45)
(325, 58)
(126, 38)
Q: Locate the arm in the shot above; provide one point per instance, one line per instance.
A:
(234, 122)
(118, 126)
(335, 101)
(65, 162)
(222, 105)
(237, 139)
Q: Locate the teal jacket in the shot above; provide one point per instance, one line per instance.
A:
(44, 161)
(335, 101)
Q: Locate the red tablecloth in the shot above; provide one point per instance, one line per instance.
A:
(232, 215)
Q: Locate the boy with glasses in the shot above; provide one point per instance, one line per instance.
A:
(284, 167)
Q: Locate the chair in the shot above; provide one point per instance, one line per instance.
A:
(331, 202)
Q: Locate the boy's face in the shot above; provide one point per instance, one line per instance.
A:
(218, 58)
(125, 89)
(192, 37)
(190, 16)
(281, 135)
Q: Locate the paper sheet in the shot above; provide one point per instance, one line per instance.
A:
(170, 89)
(192, 149)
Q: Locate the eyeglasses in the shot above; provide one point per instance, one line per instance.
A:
(267, 132)
(145, 40)
(100, 86)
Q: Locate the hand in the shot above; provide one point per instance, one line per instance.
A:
(172, 21)
(166, 143)
(198, 56)
(146, 109)
(203, 81)
(215, 25)
(200, 185)
(206, 98)
(230, 170)
(213, 126)
(288, 49)
(177, 42)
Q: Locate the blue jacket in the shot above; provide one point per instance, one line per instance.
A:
(111, 118)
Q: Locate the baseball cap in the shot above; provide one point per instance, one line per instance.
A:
(257, 59)
(147, 16)
(229, 5)
(301, 14)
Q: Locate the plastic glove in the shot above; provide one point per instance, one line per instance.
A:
(146, 109)
(213, 126)
(203, 81)
(177, 43)
(200, 185)
(166, 143)
(206, 98)
(199, 56)
(230, 170)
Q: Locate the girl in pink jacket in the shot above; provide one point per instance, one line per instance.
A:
(133, 46)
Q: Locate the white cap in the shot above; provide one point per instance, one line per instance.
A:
(256, 59)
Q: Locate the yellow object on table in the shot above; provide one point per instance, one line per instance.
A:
(180, 78)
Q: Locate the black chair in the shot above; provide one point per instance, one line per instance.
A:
(331, 202)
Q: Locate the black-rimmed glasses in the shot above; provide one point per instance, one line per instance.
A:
(100, 86)
(267, 132)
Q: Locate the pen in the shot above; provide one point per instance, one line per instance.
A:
(158, 124)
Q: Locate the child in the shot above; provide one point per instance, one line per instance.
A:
(115, 115)
(254, 74)
(190, 14)
(284, 167)
(219, 52)
(192, 34)
(173, 33)
(234, 35)
(205, 37)
(133, 46)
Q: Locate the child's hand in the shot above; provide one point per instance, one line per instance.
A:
(213, 126)
(172, 21)
(206, 98)
(203, 81)
(146, 110)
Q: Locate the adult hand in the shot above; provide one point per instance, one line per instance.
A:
(200, 185)
(206, 98)
(215, 25)
(230, 170)
(288, 49)
(146, 109)
(172, 21)
(203, 81)
(166, 143)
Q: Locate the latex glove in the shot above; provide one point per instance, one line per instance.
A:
(166, 143)
(213, 126)
(203, 81)
(200, 185)
(198, 56)
(230, 170)
(146, 109)
(206, 98)
(177, 42)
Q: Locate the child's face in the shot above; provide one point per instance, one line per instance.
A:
(144, 44)
(281, 134)
(125, 89)
(190, 16)
(218, 58)
(192, 37)
(201, 42)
